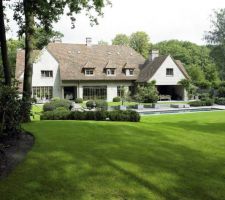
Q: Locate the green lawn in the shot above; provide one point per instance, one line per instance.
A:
(179, 157)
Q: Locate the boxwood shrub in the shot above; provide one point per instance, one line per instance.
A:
(101, 115)
(116, 99)
(78, 100)
(124, 115)
(60, 113)
(100, 104)
(205, 102)
(57, 103)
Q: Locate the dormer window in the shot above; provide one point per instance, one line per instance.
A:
(46, 74)
(89, 72)
(129, 72)
(110, 72)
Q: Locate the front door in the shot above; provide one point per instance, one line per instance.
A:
(70, 93)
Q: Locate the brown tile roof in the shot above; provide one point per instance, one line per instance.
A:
(72, 58)
(150, 68)
(182, 68)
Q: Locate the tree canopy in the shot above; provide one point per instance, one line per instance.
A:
(121, 39)
(139, 41)
(216, 38)
(196, 59)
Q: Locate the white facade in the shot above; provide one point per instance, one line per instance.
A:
(162, 79)
(46, 62)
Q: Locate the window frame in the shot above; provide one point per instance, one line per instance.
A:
(168, 70)
(110, 72)
(46, 73)
(87, 72)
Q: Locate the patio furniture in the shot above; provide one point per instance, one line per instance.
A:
(164, 97)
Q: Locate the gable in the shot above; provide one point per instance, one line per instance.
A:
(161, 77)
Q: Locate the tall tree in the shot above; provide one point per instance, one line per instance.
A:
(140, 42)
(121, 39)
(216, 37)
(45, 13)
(43, 37)
(4, 50)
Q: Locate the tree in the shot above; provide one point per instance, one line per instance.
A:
(147, 93)
(216, 37)
(43, 37)
(4, 50)
(102, 42)
(140, 42)
(121, 39)
(44, 13)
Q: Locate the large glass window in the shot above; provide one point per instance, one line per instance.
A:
(45, 92)
(94, 92)
(45, 73)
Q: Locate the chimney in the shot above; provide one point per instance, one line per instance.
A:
(88, 41)
(153, 55)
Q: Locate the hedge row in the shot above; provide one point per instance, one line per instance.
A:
(205, 102)
(116, 115)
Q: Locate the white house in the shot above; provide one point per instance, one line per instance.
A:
(98, 71)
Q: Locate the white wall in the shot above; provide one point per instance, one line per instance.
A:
(46, 61)
(162, 79)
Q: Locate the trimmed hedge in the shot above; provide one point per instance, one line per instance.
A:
(116, 99)
(100, 104)
(78, 100)
(220, 101)
(205, 102)
(57, 103)
(117, 115)
(60, 113)
(126, 115)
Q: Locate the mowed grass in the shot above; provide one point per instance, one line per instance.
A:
(163, 157)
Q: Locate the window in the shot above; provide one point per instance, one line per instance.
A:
(46, 73)
(89, 72)
(110, 72)
(119, 91)
(44, 92)
(94, 92)
(169, 71)
(129, 72)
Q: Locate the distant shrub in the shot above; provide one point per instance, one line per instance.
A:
(101, 104)
(196, 103)
(127, 115)
(209, 102)
(116, 99)
(203, 96)
(78, 100)
(56, 103)
(205, 102)
(221, 92)
(90, 104)
(220, 101)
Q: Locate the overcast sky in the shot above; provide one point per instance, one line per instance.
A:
(161, 19)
